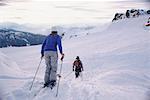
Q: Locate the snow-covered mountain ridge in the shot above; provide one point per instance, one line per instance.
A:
(11, 37)
(115, 59)
(133, 13)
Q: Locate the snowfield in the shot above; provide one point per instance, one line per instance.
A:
(116, 61)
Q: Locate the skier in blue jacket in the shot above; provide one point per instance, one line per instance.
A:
(49, 52)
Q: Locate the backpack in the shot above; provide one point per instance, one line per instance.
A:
(77, 64)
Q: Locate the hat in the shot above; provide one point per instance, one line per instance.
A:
(77, 57)
(54, 30)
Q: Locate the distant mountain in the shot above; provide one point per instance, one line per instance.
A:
(11, 37)
(32, 28)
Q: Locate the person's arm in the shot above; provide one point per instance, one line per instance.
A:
(60, 47)
(42, 49)
(59, 44)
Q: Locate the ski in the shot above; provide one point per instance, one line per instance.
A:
(51, 86)
(41, 88)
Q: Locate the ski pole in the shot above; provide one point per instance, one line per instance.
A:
(35, 74)
(68, 74)
(59, 78)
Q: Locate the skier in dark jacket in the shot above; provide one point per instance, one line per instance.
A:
(49, 52)
(77, 67)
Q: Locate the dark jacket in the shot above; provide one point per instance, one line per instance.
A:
(77, 64)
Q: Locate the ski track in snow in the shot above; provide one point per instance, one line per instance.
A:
(116, 66)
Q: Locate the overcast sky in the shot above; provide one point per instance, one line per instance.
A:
(63, 12)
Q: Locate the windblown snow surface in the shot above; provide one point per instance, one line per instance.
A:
(116, 66)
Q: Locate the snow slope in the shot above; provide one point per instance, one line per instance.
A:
(116, 66)
(8, 68)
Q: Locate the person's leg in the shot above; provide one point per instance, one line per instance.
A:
(48, 67)
(54, 59)
(79, 70)
(77, 74)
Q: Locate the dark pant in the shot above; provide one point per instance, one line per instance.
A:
(77, 72)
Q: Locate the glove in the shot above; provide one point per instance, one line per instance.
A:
(73, 69)
(59, 75)
(62, 57)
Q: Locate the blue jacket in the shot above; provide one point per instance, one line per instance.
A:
(50, 43)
